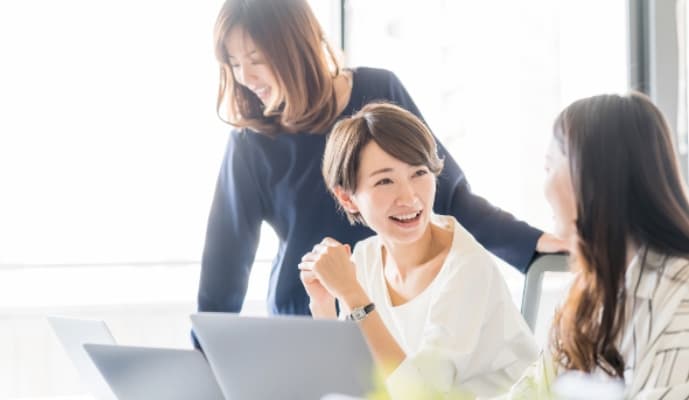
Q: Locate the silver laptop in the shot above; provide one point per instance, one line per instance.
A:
(147, 373)
(73, 333)
(284, 357)
(103, 381)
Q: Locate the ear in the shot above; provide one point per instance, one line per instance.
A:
(345, 199)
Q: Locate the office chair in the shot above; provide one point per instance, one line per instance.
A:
(531, 295)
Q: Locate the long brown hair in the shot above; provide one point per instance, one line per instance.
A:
(397, 131)
(627, 187)
(304, 64)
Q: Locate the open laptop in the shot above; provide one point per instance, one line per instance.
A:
(73, 333)
(145, 373)
(102, 370)
(284, 357)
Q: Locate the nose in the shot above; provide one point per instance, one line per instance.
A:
(245, 75)
(406, 195)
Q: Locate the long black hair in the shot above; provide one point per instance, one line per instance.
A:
(627, 186)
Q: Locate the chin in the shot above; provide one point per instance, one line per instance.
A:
(409, 237)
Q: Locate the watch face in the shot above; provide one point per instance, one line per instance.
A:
(358, 314)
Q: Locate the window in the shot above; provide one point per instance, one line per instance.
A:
(109, 153)
(490, 78)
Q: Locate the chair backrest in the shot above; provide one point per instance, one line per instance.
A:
(533, 283)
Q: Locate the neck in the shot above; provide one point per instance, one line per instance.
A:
(406, 256)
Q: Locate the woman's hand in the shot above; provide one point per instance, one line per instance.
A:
(322, 303)
(329, 265)
(549, 243)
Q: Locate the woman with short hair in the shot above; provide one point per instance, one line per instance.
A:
(430, 301)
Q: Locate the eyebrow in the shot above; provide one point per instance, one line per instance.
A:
(380, 171)
(252, 52)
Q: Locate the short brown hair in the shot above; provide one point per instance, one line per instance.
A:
(304, 64)
(397, 131)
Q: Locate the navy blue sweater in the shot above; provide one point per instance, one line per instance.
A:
(278, 180)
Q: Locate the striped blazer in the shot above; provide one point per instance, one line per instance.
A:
(654, 341)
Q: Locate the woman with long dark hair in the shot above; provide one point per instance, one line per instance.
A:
(615, 187)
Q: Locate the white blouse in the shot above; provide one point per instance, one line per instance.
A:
(463, 332)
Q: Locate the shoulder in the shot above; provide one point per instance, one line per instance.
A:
(240, 141)
(677, 270)
(246, 139)
(369, 74)
(240, 152)
(375, 82)
(259, 148)
(659, 274)
(365, 249)
(467, 258)
(674, 274)
(365, 255)
(465, 245)
(253, 157)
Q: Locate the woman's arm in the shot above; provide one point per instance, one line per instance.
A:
(232, 233)
(329, 263)
(386, 352)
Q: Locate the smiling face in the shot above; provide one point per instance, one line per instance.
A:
(394, 198)
(250, 67)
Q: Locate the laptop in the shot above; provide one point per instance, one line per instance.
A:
(284, 357)
(101, 370)
(146, 373)
(73, 333)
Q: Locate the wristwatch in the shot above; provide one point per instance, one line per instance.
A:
(359, 313)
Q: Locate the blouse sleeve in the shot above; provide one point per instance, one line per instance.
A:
(536, 382)
(474, 339)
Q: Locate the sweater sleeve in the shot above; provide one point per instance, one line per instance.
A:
(502, 234)
(233, 231)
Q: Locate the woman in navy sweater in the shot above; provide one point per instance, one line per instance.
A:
(282, 88)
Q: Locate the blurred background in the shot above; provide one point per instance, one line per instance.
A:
(110, 145)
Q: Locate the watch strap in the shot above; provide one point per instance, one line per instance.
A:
(359, 313)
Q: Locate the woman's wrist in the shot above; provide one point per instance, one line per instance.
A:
(355, 298)
(322, 310)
